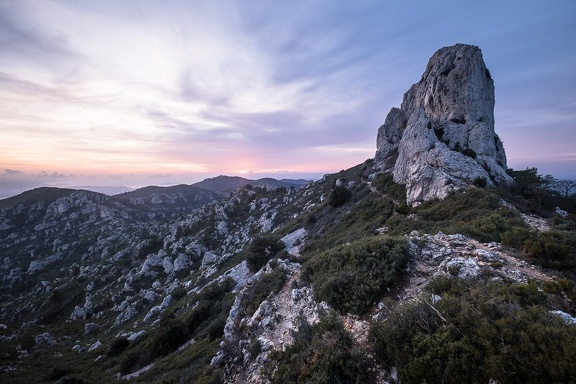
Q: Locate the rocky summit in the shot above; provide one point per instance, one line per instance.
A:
(338, 280)
(442, 137)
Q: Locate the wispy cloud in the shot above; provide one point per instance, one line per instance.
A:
(184, 87)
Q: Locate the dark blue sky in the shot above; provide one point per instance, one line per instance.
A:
(163, 92)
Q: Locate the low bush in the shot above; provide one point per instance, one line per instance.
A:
(135, 360)
(384, 183)
(271, 282)
(352, 277)
(262, 249)
(57, 373)
(362, 221)
(323, 353)
(28, 342)
(477, 332)
(178, 293)
(151, 245)
(458, 203)
(211, 309)
(552, 249)
(339, 196)
(468, 152)
(72, 379)
(480, 182)
(171, 334)
(118, 346)
(516, 237)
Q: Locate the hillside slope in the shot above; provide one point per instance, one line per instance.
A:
(232, 290)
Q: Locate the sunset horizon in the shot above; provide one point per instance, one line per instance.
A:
(145, 93)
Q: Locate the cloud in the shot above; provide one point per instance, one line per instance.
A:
(13, 181)
(21, 37)
(146, 87)
(12, 172)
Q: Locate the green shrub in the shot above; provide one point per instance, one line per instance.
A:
(384, 183)
(477, 332)
(8, 352)
(339, 196)
(178, 293)
(171, 334)
(57, 373)
(552, 249)
(322, 353)
(271, 282)
(216, 328)
(214, 302)
(458, 203)
(352, 277)
(118, 346)
(152, 245)
(402, 208)
(72, 379)
(491, 226)
(468, 152)
(359, 222)
(135, 360)
(28, 342)
(480, 182)
(262, 249)
(563, 287)
(517, 236)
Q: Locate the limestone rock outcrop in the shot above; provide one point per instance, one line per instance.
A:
(442, 137)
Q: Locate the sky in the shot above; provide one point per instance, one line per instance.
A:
(134, 93)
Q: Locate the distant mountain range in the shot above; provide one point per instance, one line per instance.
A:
(156, 201)
(221, 185)
(226, 184)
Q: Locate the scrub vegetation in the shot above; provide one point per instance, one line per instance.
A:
(355, 256)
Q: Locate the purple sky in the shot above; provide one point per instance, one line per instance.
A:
(133, 93)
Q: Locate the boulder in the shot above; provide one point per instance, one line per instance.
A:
(95, 346)
(44, 340)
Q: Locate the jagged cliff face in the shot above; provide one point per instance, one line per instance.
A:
(442, 137)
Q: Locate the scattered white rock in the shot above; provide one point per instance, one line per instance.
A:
(294, 241)
(560, 212)
(168, 265)
(90, 327)
(136, 335)
(44, 340)
(566, 317)
(240, 273)
(125, 315)
(95, 346)
(182, 262)
(79, 313)
(487, 256)
(209, 258)
(462, 267)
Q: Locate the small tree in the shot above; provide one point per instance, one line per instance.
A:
(262, 249)
(339, 196)
(533, 186)
(565, 187)
(526, 181)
